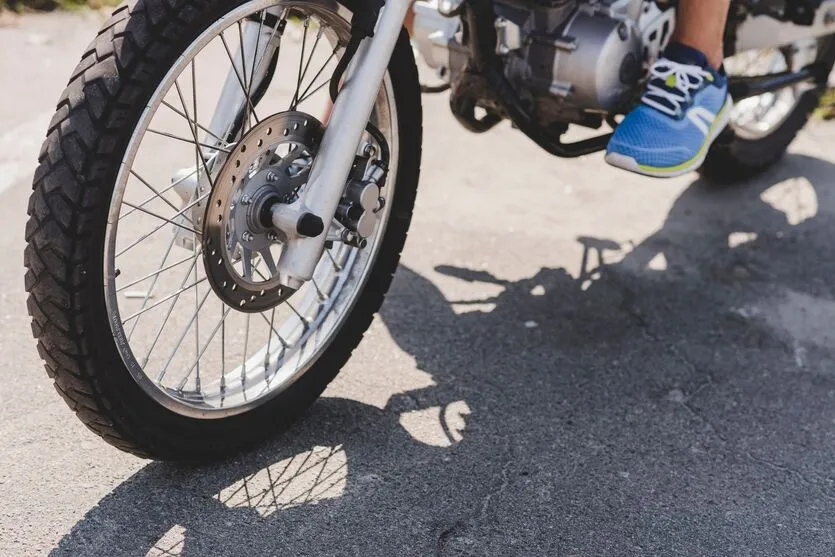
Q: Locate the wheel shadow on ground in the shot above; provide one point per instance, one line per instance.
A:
(675, 398)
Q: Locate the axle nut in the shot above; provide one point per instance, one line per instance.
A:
(310, 225)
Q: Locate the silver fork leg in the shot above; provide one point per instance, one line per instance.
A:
(339, 145)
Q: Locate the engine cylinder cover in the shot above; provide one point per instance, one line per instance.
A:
(597, 61)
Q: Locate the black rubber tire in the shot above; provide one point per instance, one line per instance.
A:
(68, 210)
(734, 159)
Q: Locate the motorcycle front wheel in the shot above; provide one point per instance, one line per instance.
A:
(129, 317)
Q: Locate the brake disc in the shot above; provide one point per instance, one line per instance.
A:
(270, 164)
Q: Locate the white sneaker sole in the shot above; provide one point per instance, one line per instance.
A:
(625, 162)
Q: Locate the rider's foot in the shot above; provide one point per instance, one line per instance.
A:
(684, 109)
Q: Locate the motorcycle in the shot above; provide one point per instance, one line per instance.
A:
(209, 237)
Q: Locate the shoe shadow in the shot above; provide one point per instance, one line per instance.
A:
(674, 398)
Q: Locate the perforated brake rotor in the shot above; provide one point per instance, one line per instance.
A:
(270, 164)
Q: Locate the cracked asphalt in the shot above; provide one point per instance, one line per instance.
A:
(572, 361)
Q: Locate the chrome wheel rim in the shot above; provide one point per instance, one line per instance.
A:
(187, 349)
(757, 117)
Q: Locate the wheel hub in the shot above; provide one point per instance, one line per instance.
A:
(269, 165)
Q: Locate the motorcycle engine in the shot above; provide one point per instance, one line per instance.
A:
(571, 61)
(588, 60)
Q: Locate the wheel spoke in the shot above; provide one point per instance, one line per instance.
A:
(245, 352)
(247, 82)
(267, 257)
(168, 314)
(150, 290)
(189, 141)
(155, 273)
(246, 261)
(304, 321)
(199, 157)
(197, 328)
(255, 55)
(222, 356)
(316, 90)
(270, 322)
(160, 217)
(148, 235)
(301, 62)
(269, 339)
(182, 337)
(294, 103)
(196, 364)
(281, 340)
(174, 184)
(319, 293)
(336, 266)
(163, 300)
(304, 94)
(191, 122)
(248, 100)
(153, 189)
(279, 28)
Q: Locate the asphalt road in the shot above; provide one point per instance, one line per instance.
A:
(514, 397)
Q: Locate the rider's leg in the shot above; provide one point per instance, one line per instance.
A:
(686, 104)
(701, 25)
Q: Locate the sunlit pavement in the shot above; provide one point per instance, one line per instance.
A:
(571, 361)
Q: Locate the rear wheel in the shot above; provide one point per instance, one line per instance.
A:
(762, 128)
(141, 320)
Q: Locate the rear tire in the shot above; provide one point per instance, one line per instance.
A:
(736, 158)
(65, 236)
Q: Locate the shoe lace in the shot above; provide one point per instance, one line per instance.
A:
(672, 84)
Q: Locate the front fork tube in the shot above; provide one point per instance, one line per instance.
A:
(350, 115)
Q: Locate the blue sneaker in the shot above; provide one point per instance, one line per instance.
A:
(684, 109)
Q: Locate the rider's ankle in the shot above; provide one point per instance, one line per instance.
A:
(686, 54)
